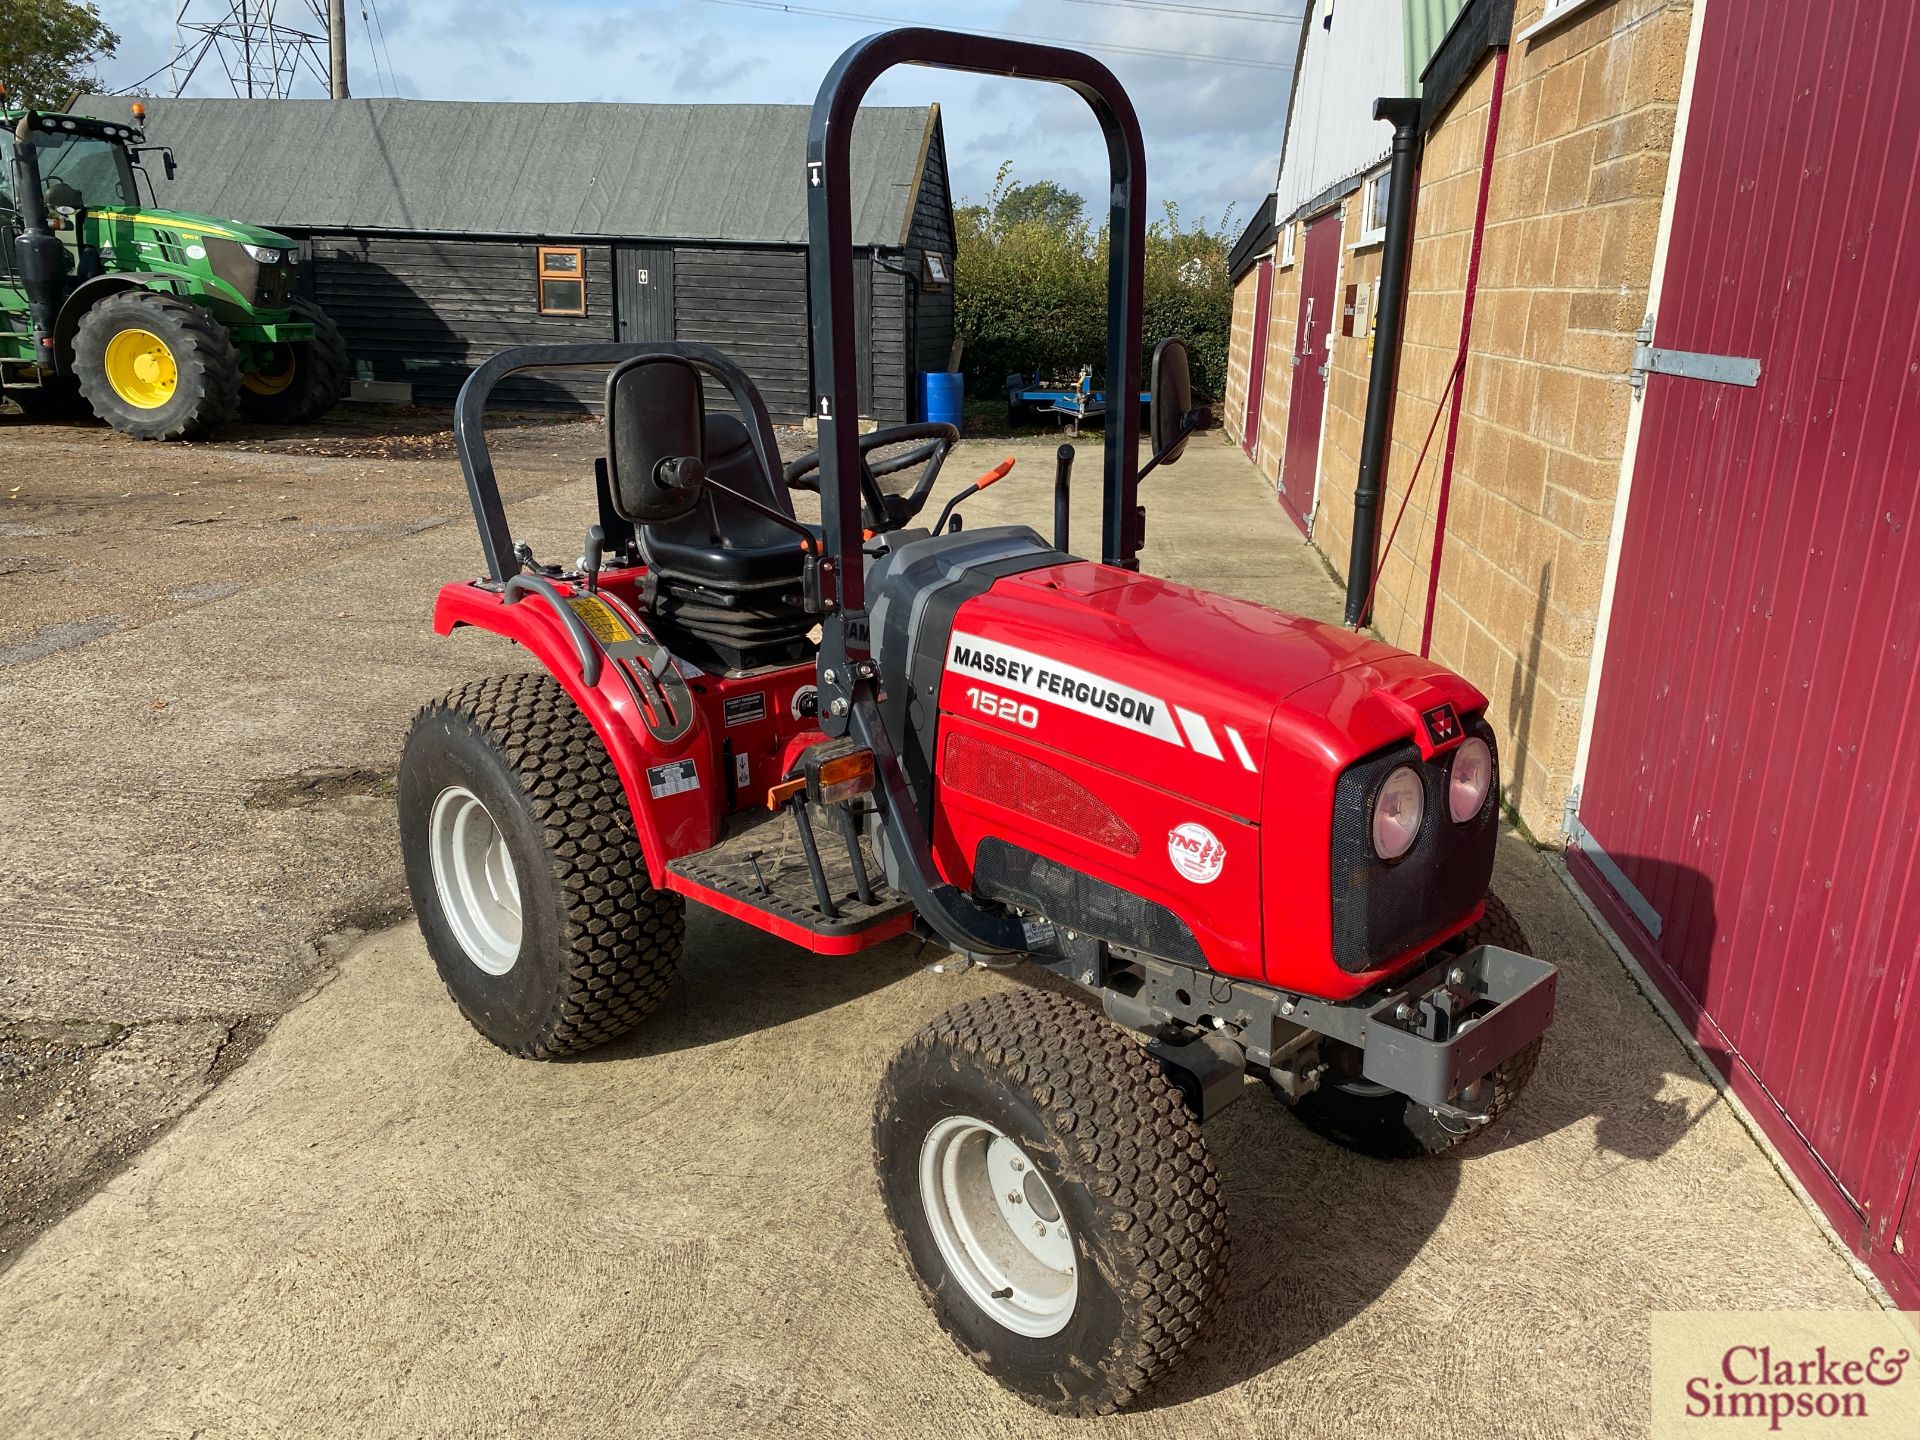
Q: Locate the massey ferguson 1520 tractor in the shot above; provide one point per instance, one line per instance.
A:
(1245, 841)
(163, 323)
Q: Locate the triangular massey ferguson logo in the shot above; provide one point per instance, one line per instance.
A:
(1443, 726)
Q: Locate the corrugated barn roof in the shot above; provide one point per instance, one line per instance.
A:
(669, 172)
(1331, 133)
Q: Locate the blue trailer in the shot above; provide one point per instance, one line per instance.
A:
(1074, 404)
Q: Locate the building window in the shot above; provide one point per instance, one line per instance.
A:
(1286, 245)
(1552, 13)
(562, 280)
(1373, 209)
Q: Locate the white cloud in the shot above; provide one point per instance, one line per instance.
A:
(1212, 131)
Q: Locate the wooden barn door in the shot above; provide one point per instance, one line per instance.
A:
(1750, 809)
(1312, 364)
(1257, 361)
(643, 291)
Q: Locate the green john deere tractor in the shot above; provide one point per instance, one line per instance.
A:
(163, 323)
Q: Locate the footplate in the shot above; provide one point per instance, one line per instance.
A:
(758, 873)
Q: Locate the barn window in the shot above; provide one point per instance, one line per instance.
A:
(1286, 245)
(562, 280)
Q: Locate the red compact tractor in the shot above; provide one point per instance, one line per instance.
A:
(1245, 841)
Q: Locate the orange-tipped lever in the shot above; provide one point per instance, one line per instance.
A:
(999, 472)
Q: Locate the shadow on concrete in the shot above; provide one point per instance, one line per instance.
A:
(1318, 1233)
(736, 980)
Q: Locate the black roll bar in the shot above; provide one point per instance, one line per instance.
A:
(847, 685)
(830, 274)
(470, 432)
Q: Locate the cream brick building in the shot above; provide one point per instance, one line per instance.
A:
(1566, 233)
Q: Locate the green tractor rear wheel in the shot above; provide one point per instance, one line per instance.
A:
(156, 367)
(301, 381)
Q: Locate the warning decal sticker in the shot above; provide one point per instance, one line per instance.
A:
(1063, 684)
(674, 779)
(601, 620)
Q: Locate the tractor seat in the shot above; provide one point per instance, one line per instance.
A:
(724, 584)
(720, 542)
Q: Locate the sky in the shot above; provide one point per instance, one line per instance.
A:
(1213, 130)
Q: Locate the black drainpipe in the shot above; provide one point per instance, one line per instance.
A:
(1381, 377)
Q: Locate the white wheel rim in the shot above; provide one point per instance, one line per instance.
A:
(473, 875)
(998, 1226)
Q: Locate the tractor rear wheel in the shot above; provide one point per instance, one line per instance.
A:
(302, 381)
(526, 873)
(1370, 1119)
(1053, 1196)
(156, 367)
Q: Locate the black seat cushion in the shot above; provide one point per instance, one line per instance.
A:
(722, 544)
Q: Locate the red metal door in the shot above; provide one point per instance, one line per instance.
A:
(1312, 363)
(1750, 812)
(1257, 362)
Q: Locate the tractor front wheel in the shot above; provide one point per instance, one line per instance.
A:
(156, 367)
(301, 381)
(1053, 1196)
(526, 873)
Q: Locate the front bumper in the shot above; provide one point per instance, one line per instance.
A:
(1432, 1035)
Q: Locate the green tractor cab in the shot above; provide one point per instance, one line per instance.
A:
(163, 323)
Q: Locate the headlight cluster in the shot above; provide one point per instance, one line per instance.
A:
(262, 253)
(1401, 804)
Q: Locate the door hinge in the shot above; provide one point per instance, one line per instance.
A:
(1688, 364)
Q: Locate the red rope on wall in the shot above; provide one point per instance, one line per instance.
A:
(1466, 330)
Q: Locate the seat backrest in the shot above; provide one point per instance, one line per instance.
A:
(717, 521)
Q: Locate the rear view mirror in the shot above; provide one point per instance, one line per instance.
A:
(166, 160)
(656, 438)
(1172, 390)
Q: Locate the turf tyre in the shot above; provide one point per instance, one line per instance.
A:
(599, 946)
(1123, 1157)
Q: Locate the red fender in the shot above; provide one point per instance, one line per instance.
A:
(669, 825)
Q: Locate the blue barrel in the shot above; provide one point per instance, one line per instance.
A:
(941, 394)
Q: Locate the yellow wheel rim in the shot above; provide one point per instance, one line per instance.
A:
(272, 382)
(141, 369)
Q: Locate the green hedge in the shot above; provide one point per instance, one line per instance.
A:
(1030, 294)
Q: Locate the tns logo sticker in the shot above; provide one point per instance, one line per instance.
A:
(1196, 852)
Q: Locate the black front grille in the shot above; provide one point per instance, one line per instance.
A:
(1381, 910)
(1076, 900)
(275, 290)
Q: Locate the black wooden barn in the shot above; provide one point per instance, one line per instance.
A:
(437, 232)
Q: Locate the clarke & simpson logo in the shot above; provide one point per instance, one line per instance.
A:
(1803, 1374)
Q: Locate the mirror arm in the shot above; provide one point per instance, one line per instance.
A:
(1189, 423)
(808, 540)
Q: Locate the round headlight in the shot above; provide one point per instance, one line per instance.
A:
(1397, 812)
(1471, 775)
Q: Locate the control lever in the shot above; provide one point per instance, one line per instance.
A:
(1062, 476)
(998, 473)
(593, 557)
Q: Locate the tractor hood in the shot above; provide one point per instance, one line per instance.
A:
(114, 219)
(1185, 686)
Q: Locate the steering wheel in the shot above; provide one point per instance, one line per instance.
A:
(886, 512)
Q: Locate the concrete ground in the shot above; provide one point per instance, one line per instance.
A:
(381, 1226)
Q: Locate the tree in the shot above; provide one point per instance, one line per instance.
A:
(1030, 287)
(1043, 202)
(48, 49)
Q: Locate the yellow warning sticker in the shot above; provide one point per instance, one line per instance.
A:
(600, 619)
